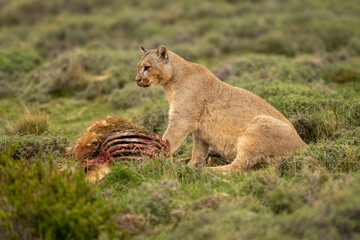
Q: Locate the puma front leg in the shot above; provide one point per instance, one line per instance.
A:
(199, 152)
(178, 129)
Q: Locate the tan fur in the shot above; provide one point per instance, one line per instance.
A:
(236, 123)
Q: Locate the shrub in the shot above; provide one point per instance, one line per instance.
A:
(28, 146)
(275, 44)
(29, 123)
(333, 156)
(15, 61)
(337, 157)
(39, 202)
(333, 214)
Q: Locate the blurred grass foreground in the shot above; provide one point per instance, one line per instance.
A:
(65, 63)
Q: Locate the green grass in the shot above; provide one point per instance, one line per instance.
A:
(76, 61)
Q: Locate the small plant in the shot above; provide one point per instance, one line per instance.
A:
(29, 123)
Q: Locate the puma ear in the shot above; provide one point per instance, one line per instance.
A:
(143, 50)
(162, 52)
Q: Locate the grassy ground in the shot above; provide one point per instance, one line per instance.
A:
(65, 64)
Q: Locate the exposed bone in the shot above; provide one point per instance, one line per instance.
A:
(127, 146)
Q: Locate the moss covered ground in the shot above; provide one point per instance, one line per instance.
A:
(65, 63)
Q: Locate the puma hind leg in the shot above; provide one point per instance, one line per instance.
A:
(265, 139)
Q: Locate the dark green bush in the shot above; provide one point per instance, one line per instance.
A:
(39, 202)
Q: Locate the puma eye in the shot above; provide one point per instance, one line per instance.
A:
(146, 68)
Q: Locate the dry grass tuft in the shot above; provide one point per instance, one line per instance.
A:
(29, 123)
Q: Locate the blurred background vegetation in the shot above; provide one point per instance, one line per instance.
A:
(64, 63)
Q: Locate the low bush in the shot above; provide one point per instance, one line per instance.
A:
(331, 215)
(28, 146)
(341, 155)
(39, 202)
(17, 61)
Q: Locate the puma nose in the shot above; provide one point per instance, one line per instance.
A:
(138, 79)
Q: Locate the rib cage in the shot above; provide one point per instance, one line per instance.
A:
(129, 145)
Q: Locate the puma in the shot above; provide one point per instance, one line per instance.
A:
(236, 123)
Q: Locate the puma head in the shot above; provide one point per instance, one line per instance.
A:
(153, 67)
